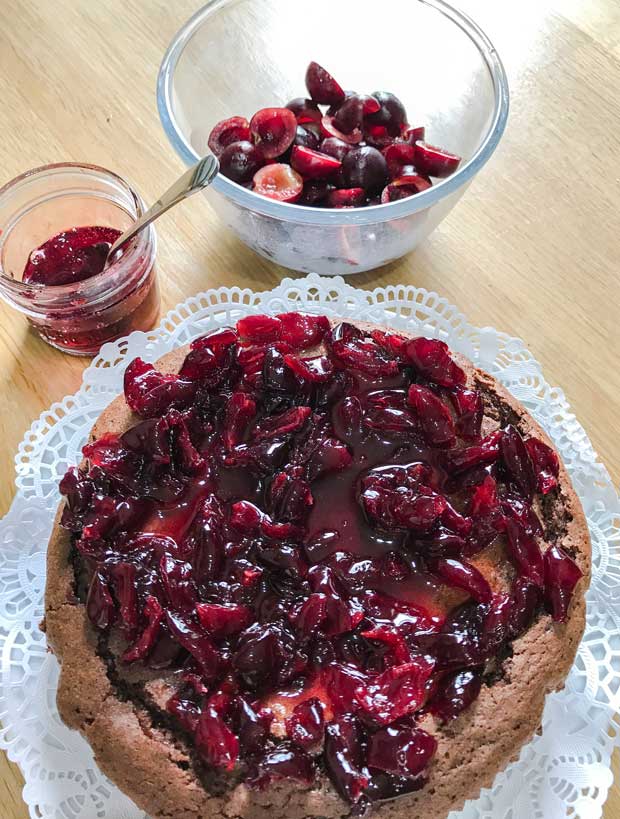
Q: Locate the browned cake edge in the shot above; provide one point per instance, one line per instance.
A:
(156, 770)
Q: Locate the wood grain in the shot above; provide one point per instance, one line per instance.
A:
(532, 249)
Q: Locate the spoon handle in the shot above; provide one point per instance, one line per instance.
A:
(195, 179)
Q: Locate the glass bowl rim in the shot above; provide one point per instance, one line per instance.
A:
(303, 214)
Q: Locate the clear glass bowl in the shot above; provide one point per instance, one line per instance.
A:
(236, 56)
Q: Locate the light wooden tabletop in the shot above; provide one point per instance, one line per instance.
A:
(532, 248)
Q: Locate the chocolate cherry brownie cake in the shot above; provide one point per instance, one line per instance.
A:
(312, 569)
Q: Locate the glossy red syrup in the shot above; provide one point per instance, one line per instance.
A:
(70, 256)
(73, 257)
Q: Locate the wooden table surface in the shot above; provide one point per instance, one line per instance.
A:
(532, 248)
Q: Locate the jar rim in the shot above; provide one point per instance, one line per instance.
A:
(20, 288)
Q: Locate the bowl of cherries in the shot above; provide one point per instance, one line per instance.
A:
(335, 177)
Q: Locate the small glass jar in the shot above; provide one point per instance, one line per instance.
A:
(79, 317)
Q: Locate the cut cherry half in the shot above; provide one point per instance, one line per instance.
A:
(413, 135)
(322, 87)
(350, 114)
(313, 164)
(274, 130)
(435, 161)
(397, 155)
(403, 187)
(329, 129)
(306, 110)
(346, 198)
(234, 129)
(335, 147)
(278, 181)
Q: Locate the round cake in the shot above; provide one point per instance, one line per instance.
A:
(312, 569)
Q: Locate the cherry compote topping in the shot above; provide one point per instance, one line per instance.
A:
(71, 256)
(123, 297)
(300, 523)
(359, 151)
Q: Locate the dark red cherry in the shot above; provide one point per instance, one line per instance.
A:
(546, 465)
(399, 691)
(222, 620)
(313, 164)
(349, 115)
(401, 750)
(517, 461)
(413, 135)
(346, 198)
(284, 762)
(240, 410)
(321, 86)
(469, 408)
(99, 604)
(365, 168)
(273, 130)
(233, 129)
(305, 726)
(335, 147)
(306, 138)
(435, 161)
(464, 575)
(259, 328)
(434, 416)
(397, 155)
(525, 552)
(316, 370)
(215, 741)
(239, 161)
(344, 757)
(404, 186)
(561, 576)
(432, 359)
(455, 693)
(315, 191)
(305, 110)
(330, 130)
(153, 613)
(391, 114)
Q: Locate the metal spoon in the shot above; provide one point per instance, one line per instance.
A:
(195, 179)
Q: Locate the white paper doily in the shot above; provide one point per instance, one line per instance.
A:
(562, 773)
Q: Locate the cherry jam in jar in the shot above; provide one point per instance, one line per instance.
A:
(57, 223)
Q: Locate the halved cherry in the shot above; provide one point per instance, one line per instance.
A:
(278, 181)
(315, 190)
(435, 161)
(239, 161)
(307, 136)
(371, 104)
(391, 113)
(306, 110)
(312, 164)
(321, 86)
(335, 147)
(397, 155)
(346, 198)
(328, 129)
(377, 136)
(274, 130)
(350, 114)
(413, 135)
(403, 187)
(227, 131)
